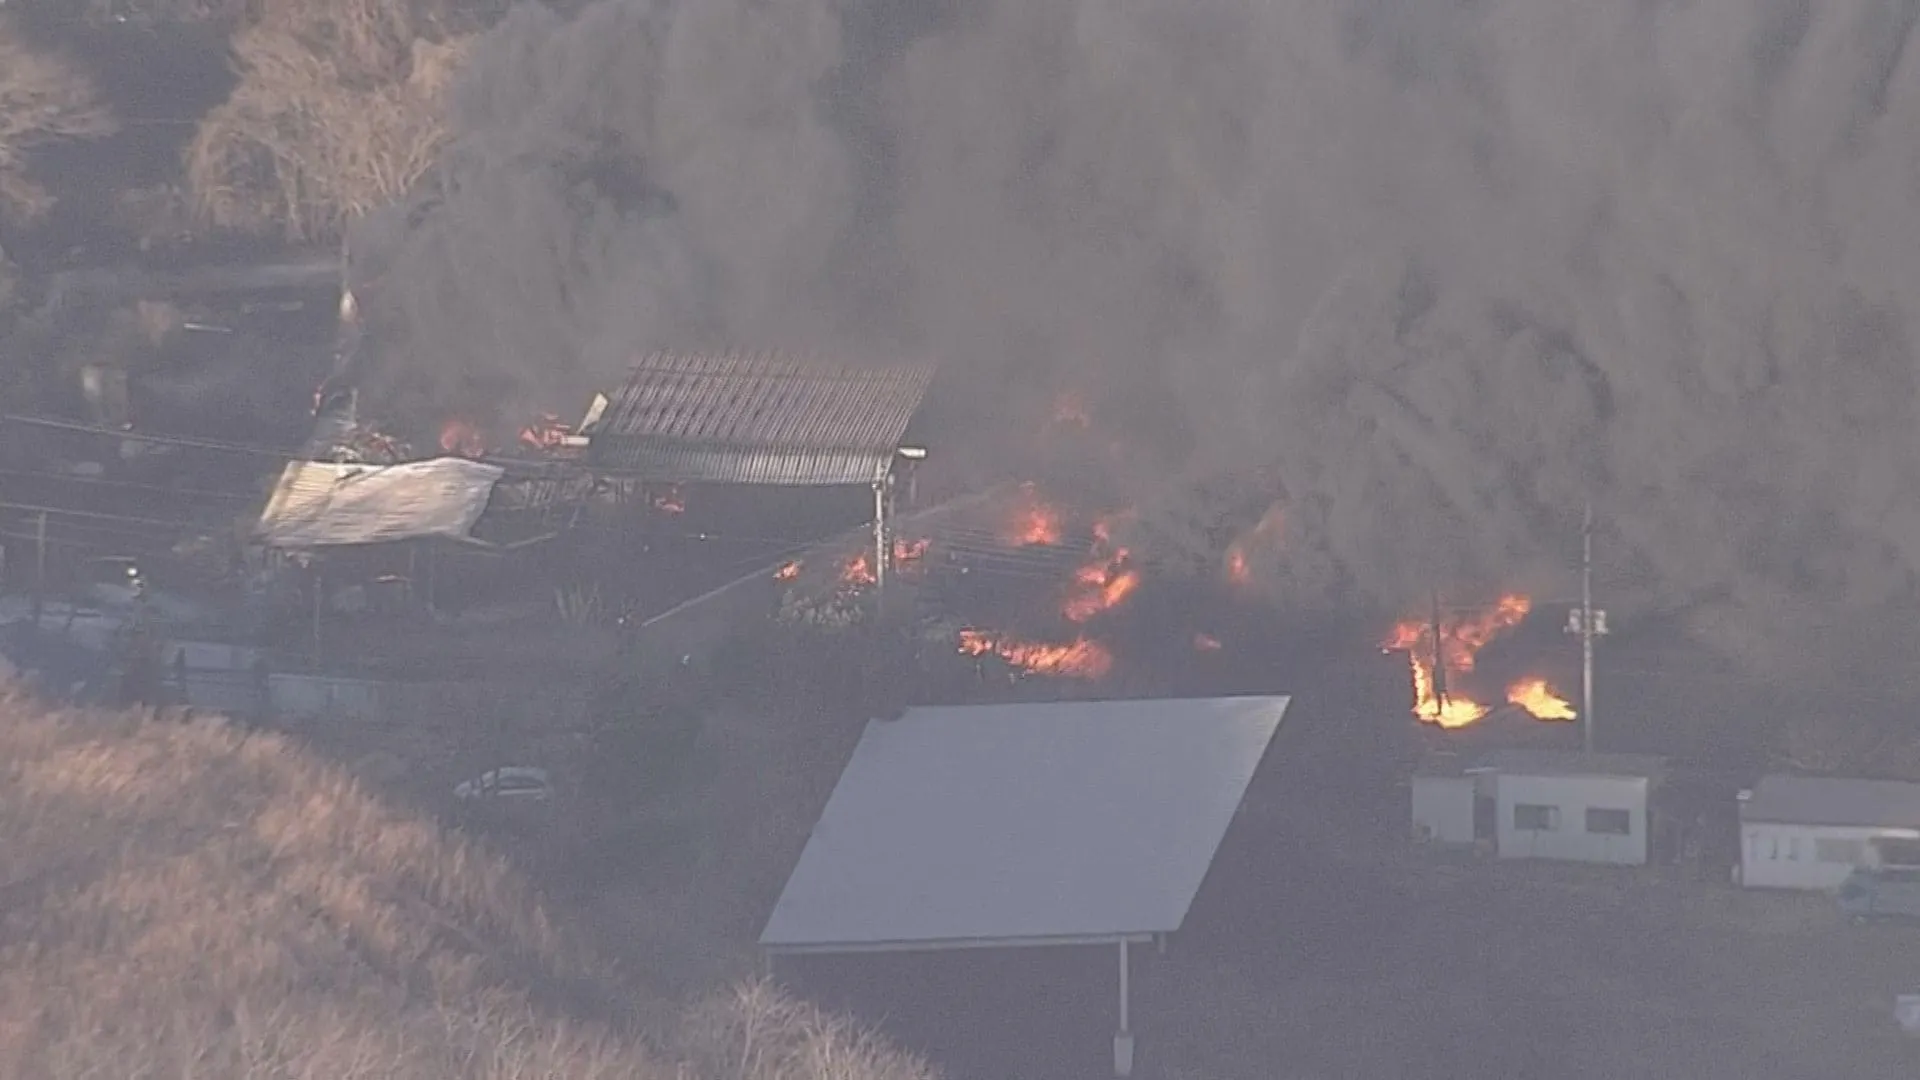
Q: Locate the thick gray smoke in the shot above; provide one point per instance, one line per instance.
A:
(1439, 271)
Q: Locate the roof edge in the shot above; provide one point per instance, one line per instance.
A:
(951, 944)
(1827, 823)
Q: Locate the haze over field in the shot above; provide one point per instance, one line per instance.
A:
(1445, 269)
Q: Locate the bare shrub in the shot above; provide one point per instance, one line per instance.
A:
(44, 98)
(339, 110)
(755, 1032)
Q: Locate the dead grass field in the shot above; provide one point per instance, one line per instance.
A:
(186, 901)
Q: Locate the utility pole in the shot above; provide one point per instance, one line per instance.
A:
(1439, 656)
(1588, 622)
(881, 495)
(39, 566)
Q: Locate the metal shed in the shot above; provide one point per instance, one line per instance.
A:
(1810, 832)
(758, 418)
(1060, 823)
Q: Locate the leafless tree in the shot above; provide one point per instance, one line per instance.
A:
(44, 98)
(339, 110)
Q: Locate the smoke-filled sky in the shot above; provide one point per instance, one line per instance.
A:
(1441, 268)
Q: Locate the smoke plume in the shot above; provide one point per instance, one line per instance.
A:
(1437, 272)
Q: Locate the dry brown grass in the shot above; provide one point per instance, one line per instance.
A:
(44, 98)
(339, 110)
(188, 901)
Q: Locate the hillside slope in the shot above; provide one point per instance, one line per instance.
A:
(190, 901)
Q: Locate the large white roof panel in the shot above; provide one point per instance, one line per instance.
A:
(1023, 823)
(323, 504)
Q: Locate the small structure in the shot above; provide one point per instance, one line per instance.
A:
(1551, 804)
(757, 418)
(1452, 804)
(1808, 832)
(1060, 823)
(764, 419)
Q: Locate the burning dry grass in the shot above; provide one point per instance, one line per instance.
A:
(187, 901)
(1444, 648)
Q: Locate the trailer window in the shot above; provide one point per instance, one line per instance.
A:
(1843, 852)
(1528, 817)
(1610, 822)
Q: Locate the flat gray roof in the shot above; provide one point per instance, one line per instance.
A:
(1023, 824)
(1519, 762)
(1829, 800)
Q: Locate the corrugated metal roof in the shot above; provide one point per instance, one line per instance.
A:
(1068, 821)
(321, 504)
(758, 418)
(1823, 800)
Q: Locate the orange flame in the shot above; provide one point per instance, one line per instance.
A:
(907, 552)
(788, 571)
(1100, 586)
(1079, 659)
(1263, 536)
(1205, 643)
(463, 438)
(668, 500)
(1237, 571)
(546, 433)
(858, 571)
(1460, 641)
(1539, 700)
(1104, 583)
(1034, 522)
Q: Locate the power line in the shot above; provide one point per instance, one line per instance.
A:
(123, 434)
(134, 485)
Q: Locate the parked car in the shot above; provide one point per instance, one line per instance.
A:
(114, 582)
(118, 584)
(517, 783)
(1883, 892)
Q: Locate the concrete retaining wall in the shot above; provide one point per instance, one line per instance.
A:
(496, 705)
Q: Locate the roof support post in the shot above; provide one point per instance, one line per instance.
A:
(881, 491)
(1123, 1040)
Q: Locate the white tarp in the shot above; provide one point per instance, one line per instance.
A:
(323, 504)
(1023, 824)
